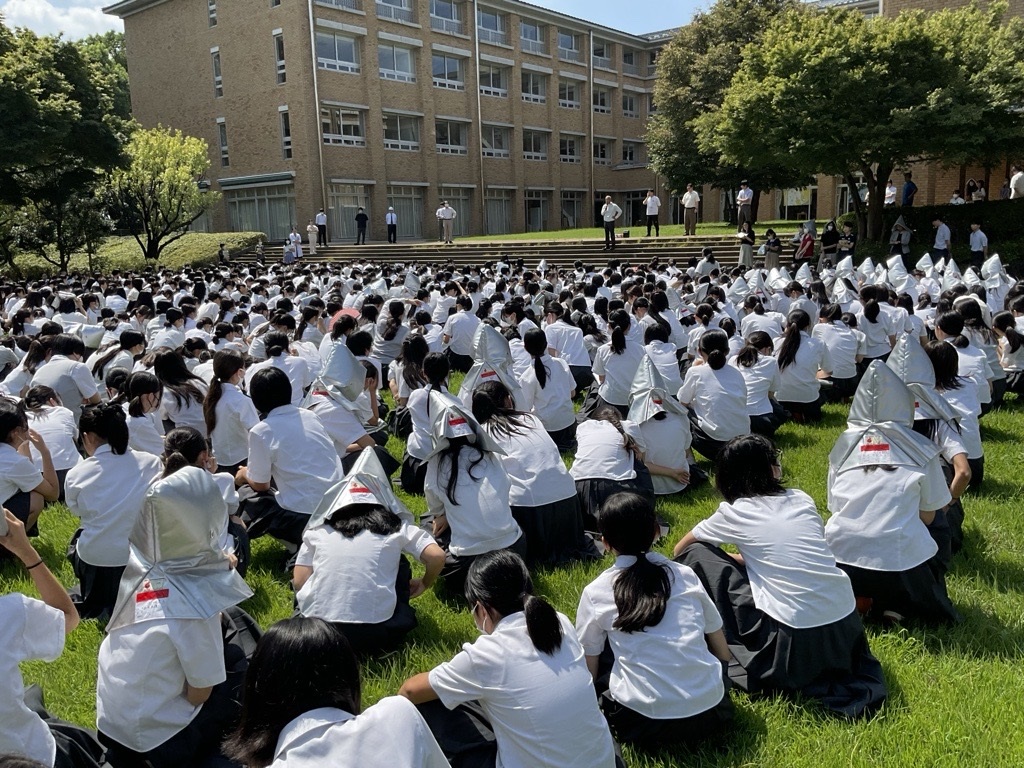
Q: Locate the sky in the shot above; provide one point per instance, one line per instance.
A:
(78, 18)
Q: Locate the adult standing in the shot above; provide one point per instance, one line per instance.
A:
(295, 239)
(1016, 182)
(312, 235)
(691, 199)
(447, 215)
(943, 245)
(743, 200)
(890, 194)
(321, 228)
(610, 213)
(653, 205)
(391, 219)
(361, 221)
(979, 244)
(909, 189)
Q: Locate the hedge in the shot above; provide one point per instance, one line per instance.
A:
(123, 253)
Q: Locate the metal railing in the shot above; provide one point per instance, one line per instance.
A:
(348, 5)
(492, 36)
(448, 26)
(570, 54)
(533, 46)
(396, 13)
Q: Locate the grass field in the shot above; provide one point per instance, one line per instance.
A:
(955, 694)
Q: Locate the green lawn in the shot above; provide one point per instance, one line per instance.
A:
(954, 693)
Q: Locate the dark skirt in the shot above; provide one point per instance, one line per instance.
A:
(977, 473)
(20, 505)
(554, 533)
(701, 442)
(842, 388)
(1015, 382)
(583, 375)
(460, 363)
(999, 387)
(565, 439)
(199, 743)
(387, 462)
(768, 423)
(456, 567)
(918, 594)
(630, 727)
(371, 639)
(243, 547)
(232, 469)
(831, 663)
(600, 402)
(592, 494)
(414, 474)
(263, 516)
(803, 411)
(97, 584)
(76, 746)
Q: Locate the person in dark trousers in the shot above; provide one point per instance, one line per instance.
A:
(909, 189)
(222, 254)
(361, 221)
(391, 219)
(610, 213)
(321, 228)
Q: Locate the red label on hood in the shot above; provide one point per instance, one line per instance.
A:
(875, 447)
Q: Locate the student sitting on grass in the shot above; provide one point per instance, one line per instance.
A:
(23, 487)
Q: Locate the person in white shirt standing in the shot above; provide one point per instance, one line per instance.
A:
(691, 200)
(610, 213)
(890, 194)
(446, 215)
(321, 228)
(743, 200)
(1016, 182)
(979, 245)
(653, 205)
(391, 220)
(943, 245)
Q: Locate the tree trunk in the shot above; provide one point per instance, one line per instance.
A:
(152, 250)
(877, 180)
(755, 201)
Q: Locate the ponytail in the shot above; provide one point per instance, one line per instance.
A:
(798, 321)
(715, 344)
(501, 582)
(641, 590)
(750, 353)
(38, 396)
(619, 322)
(1007, 325)
(276, 344)
(536, 344)
(108, 422)
(613, 417)
(226, 364)
(872, 310)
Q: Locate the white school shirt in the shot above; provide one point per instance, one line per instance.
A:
(653, 204)
(56, 425)
(618, 371)
(172, 338)
(798, 382)
(332, 737)
(876, 335)
(664, 356)
(106, 493)
(384, 351)
(29, 630)
(353, 580)
(601, 453)
(341, 424)
(542, 708)
(421, 439)
(568, 340)
(979, 342)
(665, 671)
(942, 237)
(441, 309)
(143, 669)
(17, 473)
(690, 199)
(188, 414)
(793, 574)
(291, 446)
(550, 403)
(481, 519)
(843, 346)
(876, 522)
(146, 432)
(236, 415)
(719, 399)
(70, 379)
(461, 328)
(1011, 362)
(754, 322)
(122, 359)
(296, 368)
(974, 369)
(965, 401)
(665, 443)
(534, 466)
(761, 378)
(610, 212)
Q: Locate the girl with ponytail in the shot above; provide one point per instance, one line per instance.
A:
(716, 395)
(665, 683)
(615, 363)
(548, 388)
(568, 340)
(106, 492)
(1010, 342)
(279, 356)
(789, 612)
(760, 372)
(803, 362)
(388, 338)
(141, 403)
(845, 347)
(973, 366)
(120, 355)
(55, 424)
(876, 324)
(980, 336)
(532, 699)
(228, 412)
(414, 466)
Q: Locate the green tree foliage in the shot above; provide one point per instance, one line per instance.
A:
(694, 71)
(156, 196)
(835, 93)
(106, 54)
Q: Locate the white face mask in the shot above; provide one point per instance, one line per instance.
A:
(481, 626)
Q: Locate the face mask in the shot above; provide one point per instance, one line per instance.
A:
(480, 625)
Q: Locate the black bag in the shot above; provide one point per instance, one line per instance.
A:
(400, 423)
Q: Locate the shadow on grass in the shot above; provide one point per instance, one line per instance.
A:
(980, 635)
(737, 746)
(1003, 574)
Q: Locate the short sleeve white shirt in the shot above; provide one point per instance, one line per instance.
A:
(17, 473)
(793, 574)
(665, 443)
(534, 466)
(568, 340)
(664, 356)
(761, 378)
(618, 371)
(70, 379)
(146, 432)
(56, 425)
(550, 403)
(843, 346)
(798, 382)
(719, 398)
(296, 368)
(601, 453)
(236, 415)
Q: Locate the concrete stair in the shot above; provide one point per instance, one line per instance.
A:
(558, 253)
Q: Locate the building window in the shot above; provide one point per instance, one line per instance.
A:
(211, 12)
(535, 87)
(344, 202)
(602, 153)
(569, 94)
(602, 54)
(602, 101)
(629, 62)
(345, 5)
(572, 210)
(535, 145)
(631, 153)
(218, 78)
(491, 27)
(337, 52)
(286, 134)
(495, 141)
(396, 63)
(275, 3)
(446, 16)
(279, 56)
(343, 126)
(396, 10)
(402, 132)
(629, 105)
(537, 210)
(408, 204)
(493, 80)
(222, 137)
(652, 107)
(569, 46)
(569, 149)
(498, 211)
(533, 37)
(451, 137)
(448, 72)
(269, 209)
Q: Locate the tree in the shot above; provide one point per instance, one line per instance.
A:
(694, 71)
(835, 93)
(157, 195)
(106, 54)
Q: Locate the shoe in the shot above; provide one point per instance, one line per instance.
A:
(697, 475)
(892, 618)
(864, 606)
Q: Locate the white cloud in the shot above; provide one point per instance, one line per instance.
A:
(75, 19)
